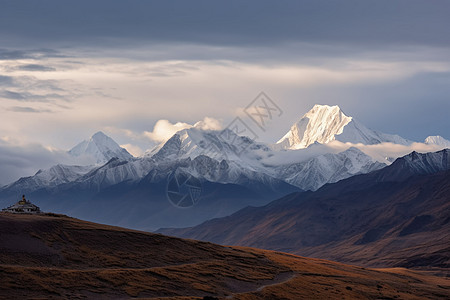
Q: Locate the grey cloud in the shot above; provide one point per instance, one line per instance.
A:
(31, 89)
(415, 107)
(412, 107)
(14, 95)
(6, 80)
(36, 67)
(34, 83)
(317, 54)
(29, 97)
(262, 22)
(26, 109)
(15, 54)
(29, 82)
(26, 160)
(12, 54)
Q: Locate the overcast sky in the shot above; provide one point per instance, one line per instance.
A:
(69, 69)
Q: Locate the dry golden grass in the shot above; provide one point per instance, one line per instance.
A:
(54, 257)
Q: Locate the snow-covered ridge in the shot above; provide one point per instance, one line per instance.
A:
(426, 163)
(328, 168)
(51, 177)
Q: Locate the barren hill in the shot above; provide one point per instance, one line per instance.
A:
(52, 256)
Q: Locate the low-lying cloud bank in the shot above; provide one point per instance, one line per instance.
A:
(385, 152)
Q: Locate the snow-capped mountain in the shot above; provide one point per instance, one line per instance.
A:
(98, 149)
(207, 155)
(224, 157)
(101, 148)
(324, 124)
(437, 140)
(219, 145)
(115, 171)
(213, 156)
(235, 172)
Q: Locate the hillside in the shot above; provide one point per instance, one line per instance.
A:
(53, 256)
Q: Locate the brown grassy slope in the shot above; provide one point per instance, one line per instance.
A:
(320, 279)
(356, 221)
(61, 257)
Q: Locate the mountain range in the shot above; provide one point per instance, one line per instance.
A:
(232, 172)
(395, 216)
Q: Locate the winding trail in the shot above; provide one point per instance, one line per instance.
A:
(243, 288)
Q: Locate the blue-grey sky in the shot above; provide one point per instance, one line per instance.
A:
(71, 68)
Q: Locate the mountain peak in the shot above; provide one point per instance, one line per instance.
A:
(324, 123)
(321, 124)
(437, 140)
(101, 148)
(325, 107)
(99, 135)
(192, 142)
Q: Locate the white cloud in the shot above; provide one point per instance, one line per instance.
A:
(389, 150)
(164, 129)
(384, 152)
(208, 124)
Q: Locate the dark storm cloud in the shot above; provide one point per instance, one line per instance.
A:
(226, 23)
(35, 67)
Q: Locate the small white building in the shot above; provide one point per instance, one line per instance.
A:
(23, 207)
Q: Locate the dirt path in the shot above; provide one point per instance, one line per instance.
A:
(244, 287)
